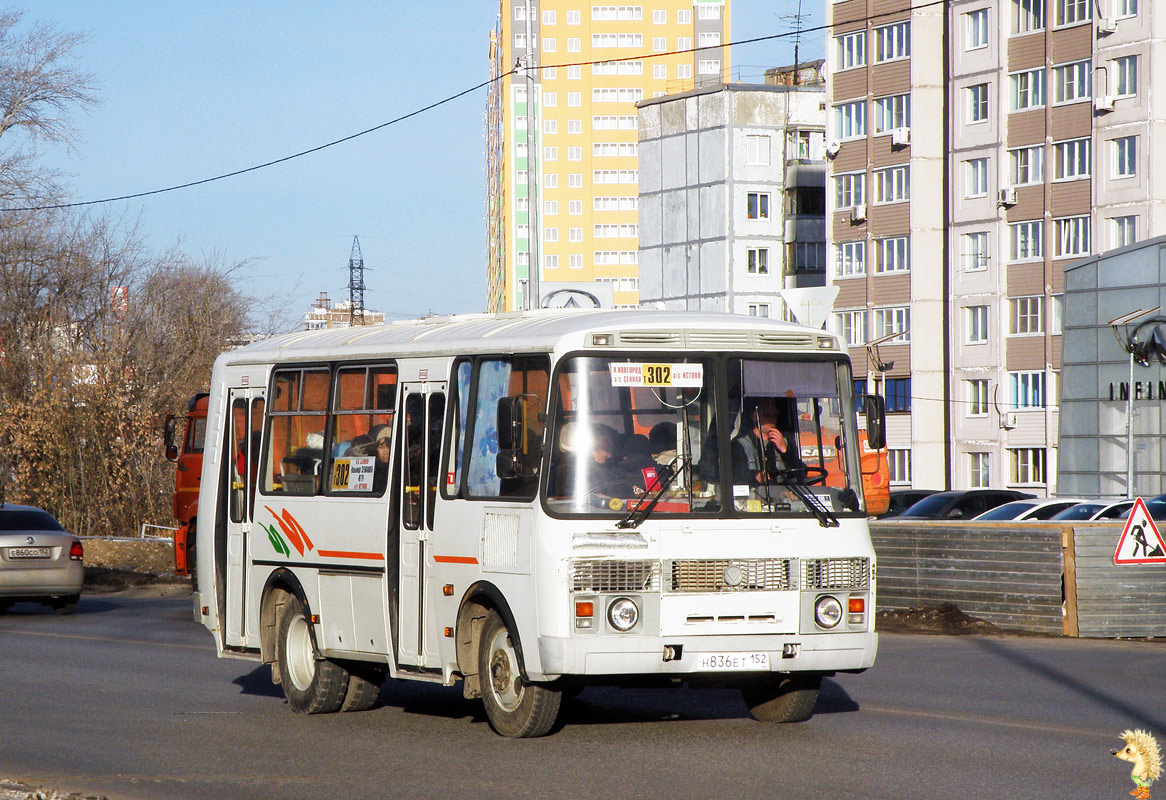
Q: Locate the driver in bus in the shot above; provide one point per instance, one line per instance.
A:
(761, 450)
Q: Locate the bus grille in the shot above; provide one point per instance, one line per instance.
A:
(835, 573)
(615, 576)
(730, 575)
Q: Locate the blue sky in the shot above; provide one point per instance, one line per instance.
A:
(192, 90)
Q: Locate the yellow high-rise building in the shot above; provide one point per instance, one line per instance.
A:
(571, 156)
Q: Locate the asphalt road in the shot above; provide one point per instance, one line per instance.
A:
(127, 699)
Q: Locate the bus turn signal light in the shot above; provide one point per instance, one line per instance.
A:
(856, 605)
(585, 609)
(447, 590)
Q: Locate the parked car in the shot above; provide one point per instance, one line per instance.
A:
(1034, 509)
(1155, 506)
(1094, 509)
(961, 504)
(902, 499)
(39, 561)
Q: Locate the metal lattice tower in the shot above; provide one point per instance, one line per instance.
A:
(355, 284)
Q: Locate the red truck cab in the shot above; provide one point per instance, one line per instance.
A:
(188, 457)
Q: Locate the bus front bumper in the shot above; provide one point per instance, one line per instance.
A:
(703, 655)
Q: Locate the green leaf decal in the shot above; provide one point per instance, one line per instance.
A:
(277, 541)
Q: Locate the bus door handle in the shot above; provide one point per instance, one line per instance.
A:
(181, 467)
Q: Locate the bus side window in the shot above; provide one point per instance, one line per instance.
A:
(433, 459)
(521, 383)
(295, 434)
(455, 461)
(414, 459)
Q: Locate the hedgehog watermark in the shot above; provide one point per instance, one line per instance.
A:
(1142, 751)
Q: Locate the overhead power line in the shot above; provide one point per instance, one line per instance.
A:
(451, 98)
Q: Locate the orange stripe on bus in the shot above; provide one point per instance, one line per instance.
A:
(348, 554)
(455, 559)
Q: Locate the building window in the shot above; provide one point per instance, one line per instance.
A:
(893, 320)
(1026, 390)
(897, 392)
(976, 172)
(1125, 157)
(575, 261)
(892, 254)
(892, 112)
(574, 99)
(1026, 165)
(551, 261)
(1071, 12)
(1071, 82)
(976, 318)
(1125, 71)
(1027, 89)
(1028, 465)
(660, 72)
(708, 11)
(1071, 159)
(549, 44)
(1030, 15)
(574, 18)
(976, 26)
(759, 309)
(850, 120)
(892, 42)
(979, 476)
(807, 256)
(977, 102)
(1126, 8)
(550, 73)
(849, 190)
(708, 66)
(684, 16)
(850, 50)
(659, 44)
(660, 17)
(1056, 314)
(899, 465)
(574, 153)
(975, 250)
(757, 150)
(574, 44)
(551, 234)
(757, 205)
(1072, 236)
(893, 184)
(851, 326)
(708, 39)
(574, 126)
(757, 259)
(574, 180)
(550, 207)
(1026, 241)
(1124, 231)
(549, 126)
(550, 154)
(849, 258)
(575, 234)
(550, 181)
(977, 392)
(1024, 315)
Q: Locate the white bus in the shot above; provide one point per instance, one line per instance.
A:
(531, 503)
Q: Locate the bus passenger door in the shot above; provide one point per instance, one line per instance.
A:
(424, 411)
(245, 423)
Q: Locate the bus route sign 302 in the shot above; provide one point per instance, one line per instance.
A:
(684, 376)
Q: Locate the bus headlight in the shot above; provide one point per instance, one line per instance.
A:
(623, 614)
(827, 611)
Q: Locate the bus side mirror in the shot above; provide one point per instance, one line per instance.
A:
(509, 423)
(876, 421)
(168, 438)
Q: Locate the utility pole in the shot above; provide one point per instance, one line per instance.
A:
(531, 295)
(355, 284)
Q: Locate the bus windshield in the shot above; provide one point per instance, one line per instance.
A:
(629, 431)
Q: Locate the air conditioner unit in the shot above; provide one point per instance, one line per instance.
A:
(900, 137)
(832, 149)
(1008, 421)
(1103, 103)
(858, 213)
(1105, 25)
(1007, 197)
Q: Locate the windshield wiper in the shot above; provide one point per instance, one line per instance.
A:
(642, 509)
(788, 478)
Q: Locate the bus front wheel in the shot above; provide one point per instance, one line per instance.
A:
(782, 698)
(311, 683)
(515, 708)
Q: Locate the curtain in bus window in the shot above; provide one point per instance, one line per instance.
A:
(788, 378)
(523, 381)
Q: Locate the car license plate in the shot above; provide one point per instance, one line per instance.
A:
(730, 662)
(28, 552)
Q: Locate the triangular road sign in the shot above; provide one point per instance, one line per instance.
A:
(1140, 541)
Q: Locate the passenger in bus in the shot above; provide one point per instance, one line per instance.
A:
(761, 449)
(662, 438)
(384, 447)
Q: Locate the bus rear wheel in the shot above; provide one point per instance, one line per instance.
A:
(311, 683)
(516, 709)
(364, 686)
(782, 698)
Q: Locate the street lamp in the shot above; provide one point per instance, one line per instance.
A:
(1128, 344)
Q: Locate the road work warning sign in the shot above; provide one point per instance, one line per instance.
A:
(1140, 541)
